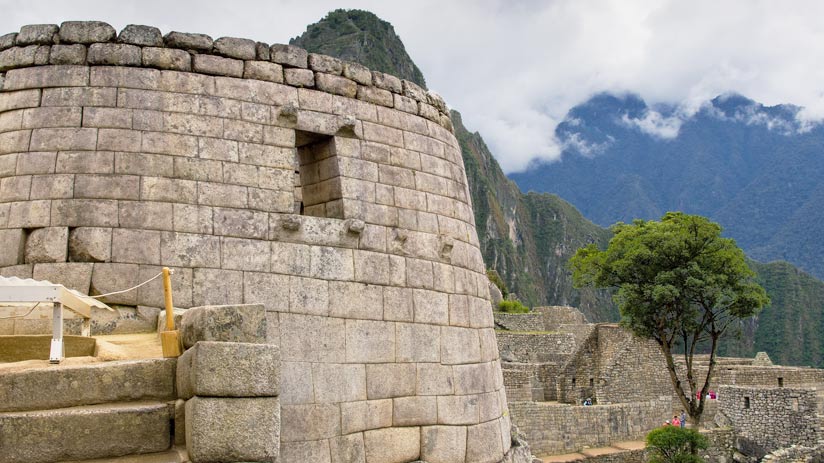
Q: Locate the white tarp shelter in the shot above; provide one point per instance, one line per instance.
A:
(16, 292)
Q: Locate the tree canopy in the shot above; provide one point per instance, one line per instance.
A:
(680, 283)
(673, 444)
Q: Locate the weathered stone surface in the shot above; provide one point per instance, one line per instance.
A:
(263, 70)
(185, 41)
(310, 422)
(370, 341)
(7, 40)
(47, 245)
(144, 36)
(289, 55)
(364, 415)
(336, 84)
(299, 452)
(357, 72)
(339, 382)
(443, 444)
(375, 95)
(347, 449)
(232, 323)
(483, 442)
(90, 244)
(229, 369)
(393, 445)
(412, 411)
(67, 54)
(232, 47)
(386, 82)
(75, 385)
(74, 433)
(86, 32)
(118, 54)
(233, 429)
(36, 34)
(390, 380)
(325, 63)
(167, 58)
(14, 244)
(299, 77)
(459, 410)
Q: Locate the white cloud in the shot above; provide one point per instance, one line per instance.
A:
(655, 124)
(515, 67)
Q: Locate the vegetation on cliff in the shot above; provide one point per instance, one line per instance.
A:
(361, 37)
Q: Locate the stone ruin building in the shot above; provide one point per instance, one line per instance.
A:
(315, 213)
(552, 359)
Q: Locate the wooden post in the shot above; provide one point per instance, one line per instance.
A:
(170, 338)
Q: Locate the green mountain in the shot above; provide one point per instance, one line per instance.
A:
(361, 37)
(529, 238)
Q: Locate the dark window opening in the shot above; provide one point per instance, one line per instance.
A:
(746, 402)
(591, 382)
(780, 382)
(573, 382)
(317, 180)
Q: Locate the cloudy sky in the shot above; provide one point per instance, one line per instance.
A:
(515, 67)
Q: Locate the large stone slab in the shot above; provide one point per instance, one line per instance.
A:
(231, 323)
(233, 429)
(229, 369)
(80, 433)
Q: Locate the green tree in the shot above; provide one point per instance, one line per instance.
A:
(672, 444)
(680, 283)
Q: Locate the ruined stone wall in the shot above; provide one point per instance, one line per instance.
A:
(519, 381)
(520, 321)
(765, 419)
(536, 348)
(562, 315)
(331, 194)
(552, 428)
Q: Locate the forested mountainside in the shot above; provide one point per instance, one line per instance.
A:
(361, 37)
(528, 239)
(754, 169)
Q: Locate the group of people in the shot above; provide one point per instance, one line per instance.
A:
(681, 421)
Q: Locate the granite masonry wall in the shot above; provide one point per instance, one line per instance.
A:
(333, 195)
(552, 428)
(769, 418)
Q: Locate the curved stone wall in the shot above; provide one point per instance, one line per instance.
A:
(334, 195)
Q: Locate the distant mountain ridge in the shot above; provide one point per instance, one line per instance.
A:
(754, 169)
(528, 239)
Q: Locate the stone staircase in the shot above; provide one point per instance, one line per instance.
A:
(89, 411)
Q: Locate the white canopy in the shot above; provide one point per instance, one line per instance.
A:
(27, 291)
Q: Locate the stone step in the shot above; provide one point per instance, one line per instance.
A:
(61, 386)
(85, 432)
(173, 455)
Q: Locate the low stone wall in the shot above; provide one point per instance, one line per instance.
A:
(520, 321)
(518, 381)
(535, 348)
(562, 315)
(552, 428)
(765, 419)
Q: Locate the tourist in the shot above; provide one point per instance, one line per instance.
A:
(675, 421)
(683, 418)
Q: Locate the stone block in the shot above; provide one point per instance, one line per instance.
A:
(357, 72)
(268, 289)
(310, 422)
(229, 369)
(216, 65)
(68, 54)
(336, 382)
(84, 212)
(7, 40)
(387, 380)
(299, 452)
(434, 379)
(222, 195)
(459, 310)
(431, 307)
(443, 444)
(14, 244)
(372, 267)
(336, 85)
(136, 246)
(289, 55)
(263, 70)
(145, 36)
(419, 273)
(15, 188)
(290, 258)
(212, 286)
(308, 296)
(405, 104)
(324, 63)
(262, 51)
(151, 294)
(474, 378)
(64, 139)
(483, 443)
(114, 54)
(92, 162)
(193, 219)
(356, 300)
(233, 429)
(370, 341)
(364, 415)
(459, 410)
(418, 343)
(84, 96)
(245, 254)
(17, 57)
(386, 82)
(195, 42)
(375, 95)
(460, 345)
(232, 47)
(167, 58)
(489, 345)
(414, 411)
(308, 338)
(20, 271)
(47, 245)
(169, 143)
(52, 186)
(111, 277)
(189, 250)
(489, 406)
(296, 383)
(347, 449)
(414, 91)
(90, 244)
(331, 263)
(94, 186)
(86, 32)
(30, 214)
(229, 323)
(480, 313)
(145, 214)
(392, 445)
(36, 34)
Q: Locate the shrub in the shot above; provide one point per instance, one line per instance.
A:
(673, 444)
(512, 307)
(496, 280)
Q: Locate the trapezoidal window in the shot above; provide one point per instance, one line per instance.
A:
(317, 180)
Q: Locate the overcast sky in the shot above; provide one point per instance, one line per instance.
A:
(515, 67)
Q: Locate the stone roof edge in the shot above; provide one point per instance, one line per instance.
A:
(97, 43)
